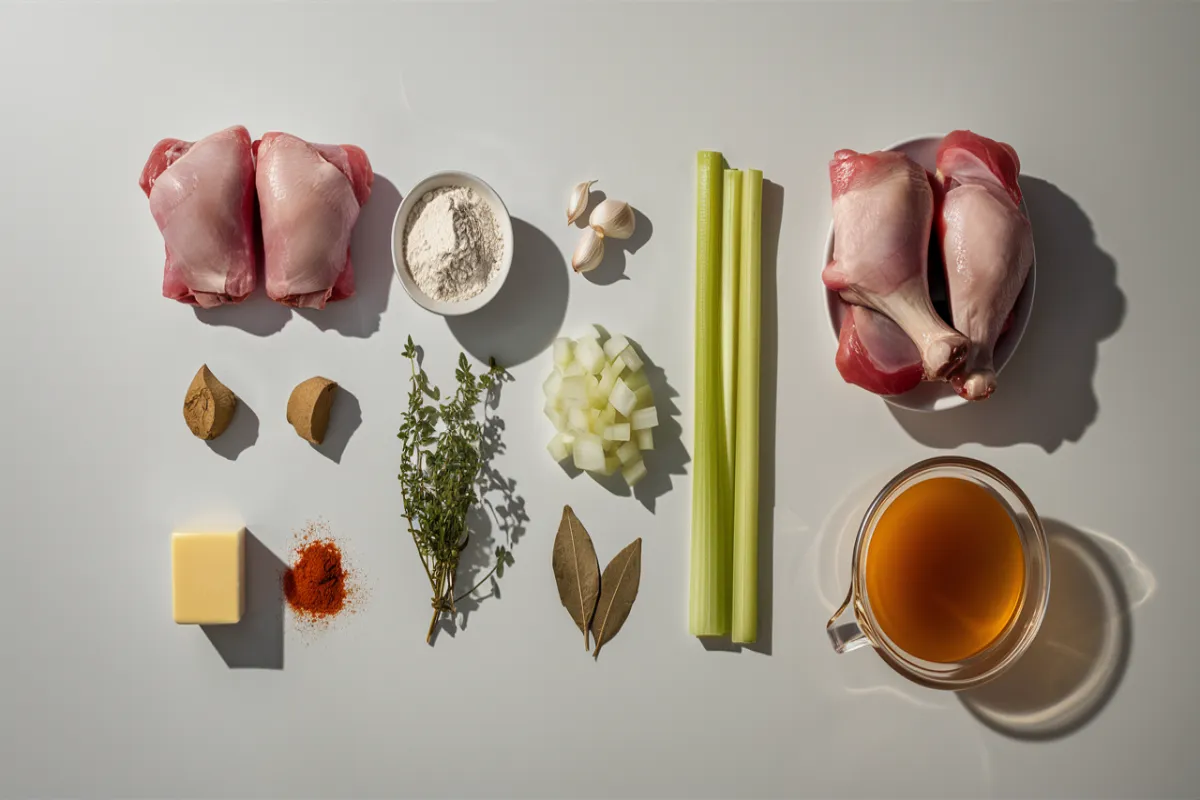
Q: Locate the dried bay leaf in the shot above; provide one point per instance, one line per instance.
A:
(576, 571)
(619, 588)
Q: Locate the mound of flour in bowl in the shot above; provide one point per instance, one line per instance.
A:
(452, 244)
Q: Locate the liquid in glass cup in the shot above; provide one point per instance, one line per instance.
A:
(951, 575)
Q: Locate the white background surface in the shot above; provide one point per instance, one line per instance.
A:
(101, 694)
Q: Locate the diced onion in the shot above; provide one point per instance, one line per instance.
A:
(600, 403)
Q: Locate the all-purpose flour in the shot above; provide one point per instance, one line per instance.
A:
(452, 244)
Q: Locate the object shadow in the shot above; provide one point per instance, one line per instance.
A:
(528, 312)
(241, 434)
(616, 251)
(344, 419)
(257, 641)
(1079, 656)
(257, 314)
(772, 222)
(371, 254)
(1045, 395)
(499, 519)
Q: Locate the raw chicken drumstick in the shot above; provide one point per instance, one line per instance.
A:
(874, 353)
(309, 196)
(882, 216)
(202, 197)
(987, 244)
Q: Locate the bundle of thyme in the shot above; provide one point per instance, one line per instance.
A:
(439, 475)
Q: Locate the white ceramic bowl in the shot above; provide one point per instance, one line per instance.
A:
(440, 180)
(938, 395)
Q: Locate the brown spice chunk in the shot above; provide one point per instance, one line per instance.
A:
(208, 406)
(308, 408)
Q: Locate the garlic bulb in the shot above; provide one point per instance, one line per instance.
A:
(590, 251)
(614, 219)
(579, 201)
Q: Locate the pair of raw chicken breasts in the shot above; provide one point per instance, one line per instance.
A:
(885, 208)
(202, 195)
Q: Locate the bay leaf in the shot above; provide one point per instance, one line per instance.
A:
(619, 588)
(576, 571)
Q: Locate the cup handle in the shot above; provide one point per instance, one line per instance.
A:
(844, 631)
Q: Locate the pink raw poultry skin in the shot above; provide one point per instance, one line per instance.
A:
(882, 213)
(202, 197)
(309, 196)
(987, 245)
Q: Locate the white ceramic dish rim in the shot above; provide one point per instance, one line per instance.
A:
(429, 183)
(938, 395)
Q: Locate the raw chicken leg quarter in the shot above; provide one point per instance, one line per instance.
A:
(309, 196)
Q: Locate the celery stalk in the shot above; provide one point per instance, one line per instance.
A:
(731, 245)
(709, 604)
(749, 333)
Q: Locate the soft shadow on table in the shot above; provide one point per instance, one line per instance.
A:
(1045, 394)
(257, 641)
(344, 419)
(257, 314)
(241, 434)
(500, 519)
(617, 251)
(523, 319)
(371, 256)
(772, 221)
(1077, 660)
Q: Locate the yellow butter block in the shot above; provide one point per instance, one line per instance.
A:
(208, 573)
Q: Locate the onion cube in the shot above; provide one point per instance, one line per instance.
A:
(564, 351)
(645, 397)
(553, 384)
(573, 393)
(644, 439)
(558, 448)
(644, 418)
(614, 346)
(622, 398)
(618, 432)
(633, 473)
(590, 355)
(632, 359)
(589, 452)
(627, 453)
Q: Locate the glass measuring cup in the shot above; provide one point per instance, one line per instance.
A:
(854, 625)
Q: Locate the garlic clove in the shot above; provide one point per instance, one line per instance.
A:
(590, 251)
(579, 201)
(613, 218)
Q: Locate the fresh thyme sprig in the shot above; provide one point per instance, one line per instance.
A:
(439, 474)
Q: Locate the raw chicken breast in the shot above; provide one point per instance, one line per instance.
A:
(874, 353)
(309, 196)
(202, 197)
(987, 245)
(883, 209)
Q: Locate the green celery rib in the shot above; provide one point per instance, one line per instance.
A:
(731, 246)
(749, 336)
(709, 604)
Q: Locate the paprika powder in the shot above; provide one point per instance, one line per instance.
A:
(318, 585)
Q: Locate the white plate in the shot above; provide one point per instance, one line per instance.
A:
(938, 395)
(439, 180)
